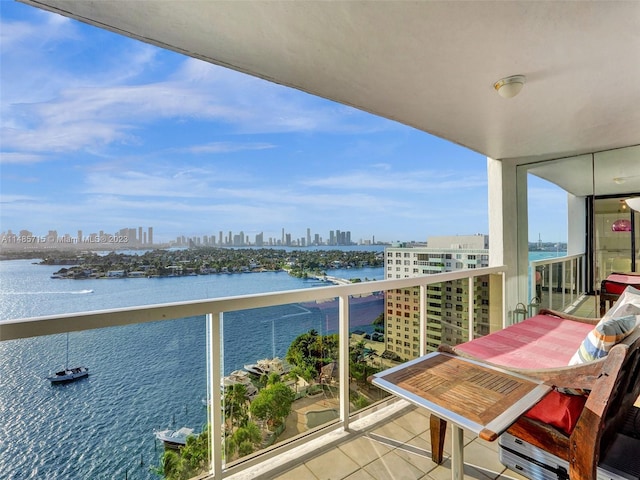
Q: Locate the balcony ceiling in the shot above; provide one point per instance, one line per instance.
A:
(427, 64)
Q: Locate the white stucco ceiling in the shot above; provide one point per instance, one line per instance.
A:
(427, 64)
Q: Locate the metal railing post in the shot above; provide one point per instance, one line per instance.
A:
(343, 358)
(423, 320)
(470, 300)
(214, 322)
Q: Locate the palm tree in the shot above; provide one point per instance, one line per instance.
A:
(235, 404)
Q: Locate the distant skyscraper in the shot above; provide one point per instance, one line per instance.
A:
(139, 234)
(308, 236)
(79, 236)
(150, 236)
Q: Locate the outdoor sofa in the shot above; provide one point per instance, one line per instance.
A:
(578, 420)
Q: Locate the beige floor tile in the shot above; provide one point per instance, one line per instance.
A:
(332, 465)
(298, 473)
(421, 459)
(364, 450)
(359, 475)
(413, 422)
(394, 431)
(393, 467)
(421, 441)
(443, 472)
(479, 454)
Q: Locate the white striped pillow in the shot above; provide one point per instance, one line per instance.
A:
(603, 337)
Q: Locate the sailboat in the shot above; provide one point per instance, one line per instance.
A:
(68, 374)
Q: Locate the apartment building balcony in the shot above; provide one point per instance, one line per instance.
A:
(392, 445)
(417, 65)
(385, 439)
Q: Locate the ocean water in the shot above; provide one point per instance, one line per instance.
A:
(142, 377)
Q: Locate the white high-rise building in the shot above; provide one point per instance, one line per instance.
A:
(447, 302)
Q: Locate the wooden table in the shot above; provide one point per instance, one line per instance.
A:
(471, 395)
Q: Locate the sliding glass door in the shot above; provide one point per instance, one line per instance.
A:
(616, 236)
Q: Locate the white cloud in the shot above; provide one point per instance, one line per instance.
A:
(21, 158)
(140, 184)
(416, 181)
(15, 199)
(224, 147)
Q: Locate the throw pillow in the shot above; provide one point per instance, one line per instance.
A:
(602, 338)
(627, 304)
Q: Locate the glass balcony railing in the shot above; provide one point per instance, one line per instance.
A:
(250, 376)
(557, 283)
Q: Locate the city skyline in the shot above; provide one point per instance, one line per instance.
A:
(144, 236)
(102, 130)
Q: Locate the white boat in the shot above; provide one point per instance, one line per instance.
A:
(68, 374)
(266, 367)
(174, 438)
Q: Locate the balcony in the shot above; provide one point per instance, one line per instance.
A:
(392, 444)
(588, 157)
(390, 430)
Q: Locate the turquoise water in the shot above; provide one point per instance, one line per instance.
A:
(317, 418)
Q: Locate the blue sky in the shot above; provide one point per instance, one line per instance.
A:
(101, 132)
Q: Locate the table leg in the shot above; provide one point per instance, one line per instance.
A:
(438, 429)
(457, 453)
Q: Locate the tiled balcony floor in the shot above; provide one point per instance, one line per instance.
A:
(395, 448)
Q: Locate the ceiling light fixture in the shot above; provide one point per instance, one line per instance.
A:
(621, 180)
(621, 225)
(633, 203)
(509, 87)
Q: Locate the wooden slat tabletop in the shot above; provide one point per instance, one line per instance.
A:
(477, 393)
(446, 381)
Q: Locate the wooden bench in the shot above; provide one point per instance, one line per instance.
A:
(613, 382)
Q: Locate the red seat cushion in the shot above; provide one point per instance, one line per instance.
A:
(558, 409)
(617, 282)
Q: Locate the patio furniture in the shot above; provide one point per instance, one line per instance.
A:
(579, 418)
(612, 286)
(438, 381)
